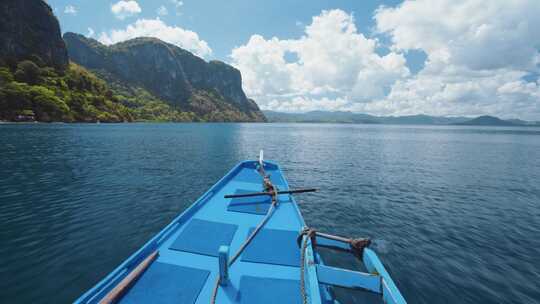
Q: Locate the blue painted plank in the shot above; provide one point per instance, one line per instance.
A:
(254, 205)
(391, 293)
(204, 237)
(166, 283)
(324, 242)
(311, 282)
(268, 291)
(272, 246)
(348, 279)
(247, 175)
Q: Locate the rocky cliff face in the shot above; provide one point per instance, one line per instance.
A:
(170, 73)
(28, 28)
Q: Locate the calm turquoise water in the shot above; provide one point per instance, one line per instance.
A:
(454, 211)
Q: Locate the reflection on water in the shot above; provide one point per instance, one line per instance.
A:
(454, 211)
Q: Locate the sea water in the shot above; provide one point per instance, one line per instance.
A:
(454, 212)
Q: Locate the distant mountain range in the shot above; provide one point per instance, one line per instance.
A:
(359, 118)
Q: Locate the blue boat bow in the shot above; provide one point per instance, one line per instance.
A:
(184, 261)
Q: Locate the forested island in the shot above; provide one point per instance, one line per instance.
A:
(46, 77)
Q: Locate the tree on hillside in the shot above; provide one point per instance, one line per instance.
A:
(28, 72)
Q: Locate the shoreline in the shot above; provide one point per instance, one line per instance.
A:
(5, 122)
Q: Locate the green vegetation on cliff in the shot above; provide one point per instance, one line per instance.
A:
(147, 70)
(144, 79)
(29, 91)
(52, 95)
(145, 106)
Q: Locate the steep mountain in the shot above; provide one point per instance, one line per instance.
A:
(37, 82)
(28, 29)
(211, 90)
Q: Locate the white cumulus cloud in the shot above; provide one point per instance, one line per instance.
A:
(185, 39)
(332, 61)
(70, 10)
(474, 33)
(478, 54)
(123, 9)
(482, 58)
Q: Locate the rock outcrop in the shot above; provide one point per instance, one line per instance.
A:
(28, 29)
(172, 74)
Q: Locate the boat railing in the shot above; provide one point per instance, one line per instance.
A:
(128, 265)
(376, 280)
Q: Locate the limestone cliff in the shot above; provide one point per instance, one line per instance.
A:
(210, 89)
(28, 29)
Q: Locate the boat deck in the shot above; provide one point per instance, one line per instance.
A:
(181, 264)
(187, 268)
(268, 257)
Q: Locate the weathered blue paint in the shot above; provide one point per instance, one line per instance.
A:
(391, 294)
(212, 207)
(324, 242)
(167, 278)
(311, 283)
(348, 278)
(223, 264)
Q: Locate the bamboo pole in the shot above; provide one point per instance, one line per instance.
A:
(121, 288)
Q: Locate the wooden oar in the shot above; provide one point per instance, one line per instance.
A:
(269, 193)
(119, 290)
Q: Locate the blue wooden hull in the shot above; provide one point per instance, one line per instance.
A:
(268, 271)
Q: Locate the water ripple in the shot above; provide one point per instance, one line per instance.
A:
(454, 211)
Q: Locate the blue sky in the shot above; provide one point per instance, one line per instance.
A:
(223, 24)
(462, 57)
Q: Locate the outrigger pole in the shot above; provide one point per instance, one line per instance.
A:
(270, 193)
(270, 189)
